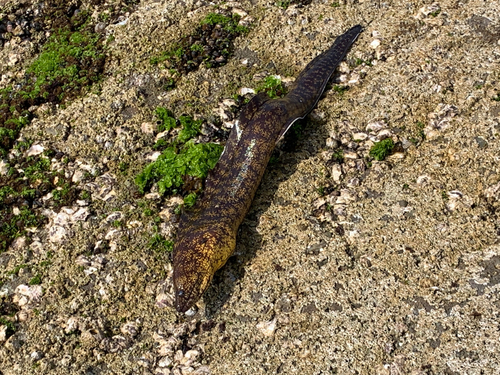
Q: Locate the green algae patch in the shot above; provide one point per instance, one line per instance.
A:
(28, 180)
(14, 224)
(272, 86)
(286, 3)
(66, 65)
(159, 244)
(229, 23)
(181, 159)
(210, 44)
(338, 155)
(166, 119)
(35, 280)
(190, 200)
(173, 164)
(72, 60)
(340, 89)
(382, 149)
(190, 128)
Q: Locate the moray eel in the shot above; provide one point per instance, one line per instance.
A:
(207, 233)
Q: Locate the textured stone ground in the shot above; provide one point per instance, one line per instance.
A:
(394, 269)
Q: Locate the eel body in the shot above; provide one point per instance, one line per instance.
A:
(207, 233)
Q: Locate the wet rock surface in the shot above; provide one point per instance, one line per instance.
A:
(344, 264)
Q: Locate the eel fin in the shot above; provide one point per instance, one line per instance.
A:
(287, 126)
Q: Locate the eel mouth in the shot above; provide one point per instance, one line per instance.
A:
(182, 301)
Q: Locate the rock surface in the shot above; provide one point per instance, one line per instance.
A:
(343, 265)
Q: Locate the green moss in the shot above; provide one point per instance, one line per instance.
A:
(421, 133)
(361, 62)
(202, 46)
(338, 155)
(160, 144)
(286, 3)
(72, 59)
(32, 179)
(16, 269)
(5, 94)
(11, 328)
(4, 132)
(228, 23)
(23, 145)
(180, 158)
(104, 16)
(28, 218)
(382, 149)
(496, 98)
(36, 280)
(173, 55)
(196, 47)
(159, 244)
(273, 160)
(283, 3)
(17, 123)
(45, 263)
(123, 167)
(14, 226)
(166, 118)
(190, 128)
(65, 58)
(84, 195)
(273, 86)
(35, 172)
(5, 191)
(28, 193)
(169, 84)
(190, 200)
(340, 89)
(59, 195)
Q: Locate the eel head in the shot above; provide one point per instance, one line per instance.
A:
(197, 256)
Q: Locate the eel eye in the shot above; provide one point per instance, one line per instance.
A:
(180, 293)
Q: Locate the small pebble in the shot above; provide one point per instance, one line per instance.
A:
(267, 328)
(36, 356)
(336, 172)
(100, 27)
(359, 136)
(375, 44)
(350, 155)
(375, 126)
(148, 128)
(35, 150)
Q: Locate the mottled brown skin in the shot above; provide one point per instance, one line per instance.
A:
(207, 233)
